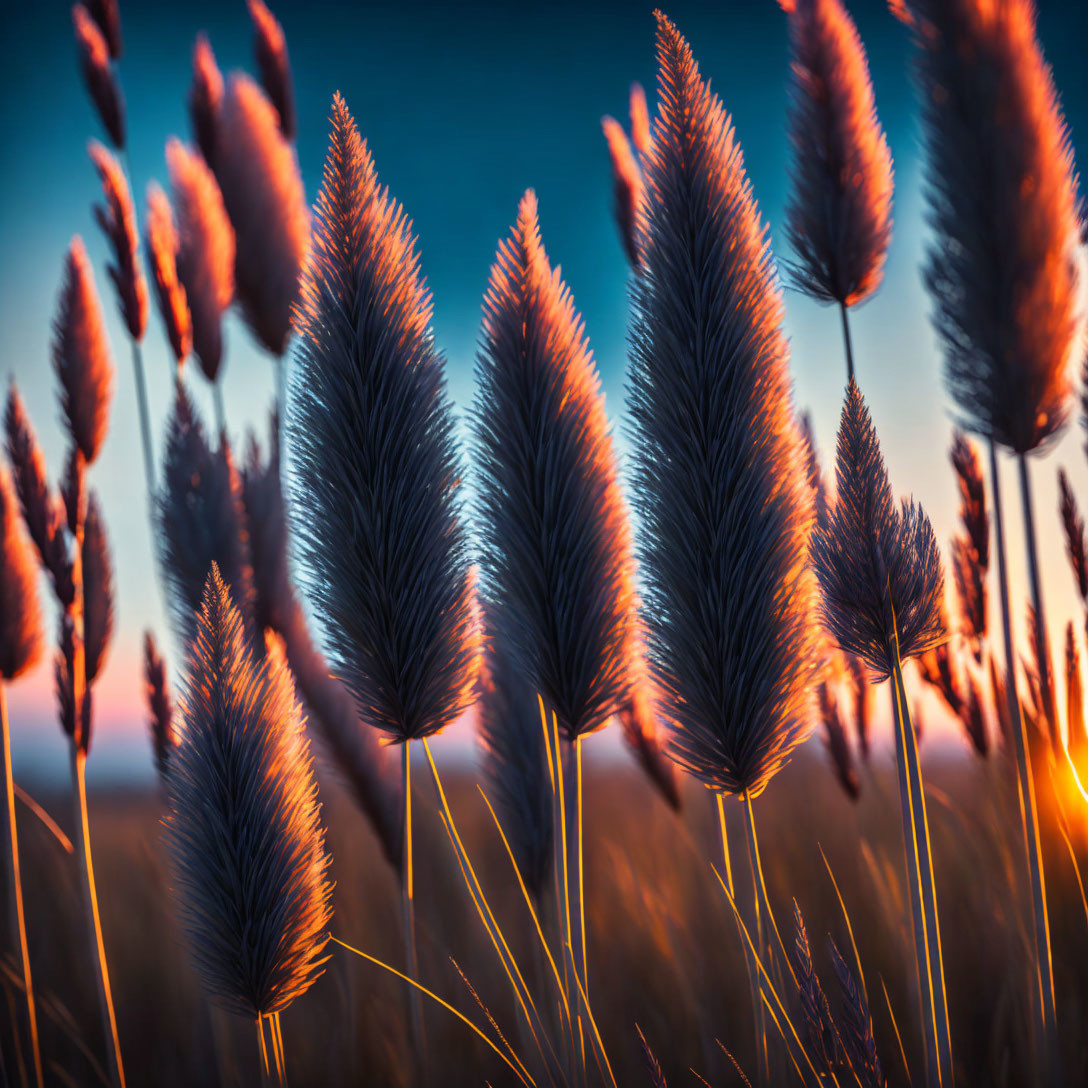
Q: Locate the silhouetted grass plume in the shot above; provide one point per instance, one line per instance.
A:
(205, 99)
(718, 466)
(98, 75)
(243, 827)
(270, 46)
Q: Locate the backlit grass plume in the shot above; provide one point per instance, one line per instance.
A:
(97, 590)
(882, 585)
(627, 185)
(999, 182)
(81, 355)
(375, 497)
(161, 242)
(205, 254)
(262, 190)
(205, 99)
(201, 520)
(877, 562)
(98, 74)
(270, 46)
(117, 218)
(839, 213)
(243, 827)
(718, 466)
(107, 15)
(516, 761)
(1076, 541)
(556, 548)
(351, 745)
(160, 706)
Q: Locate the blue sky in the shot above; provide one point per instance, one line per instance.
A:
(464, 106)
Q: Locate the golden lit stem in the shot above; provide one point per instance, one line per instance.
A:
(581, 867)
(525, 1079)
(264, 1049)
(720, 798)
(849, 926)
(15, 891)
(895, 1026)
(79, 781)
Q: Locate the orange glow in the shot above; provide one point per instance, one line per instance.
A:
(162, 248)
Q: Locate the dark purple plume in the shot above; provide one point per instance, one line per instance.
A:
(878, 564)
(97, 590)
(205, 99)
(839, 214)
(99, 76)
(20, 612)
(107, 14)
(81, 355)
(375, 498)
(270, 46)
(160, 707)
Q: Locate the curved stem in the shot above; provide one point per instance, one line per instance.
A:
(1042, 647)
(1043, 988)
(98, 947)
(15, 891)
(846, 342)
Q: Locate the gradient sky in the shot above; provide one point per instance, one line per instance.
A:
(464, 107)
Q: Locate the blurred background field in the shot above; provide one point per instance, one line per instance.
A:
(664, 951)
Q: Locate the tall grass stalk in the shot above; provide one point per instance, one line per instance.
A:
(1042, 650)
(78, 760)
(16, 914)
(1043, 983)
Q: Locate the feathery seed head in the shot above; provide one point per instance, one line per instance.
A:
(1073, 526)
(839, 215)
(81, 355)
(270, 46)
(162, 252)
(99, 76)
(877, 563)
(838, 745)
(556, 548)
(42, 513)
(159, 705)
(640, 119)
(205, 254)
(515, 760)
(201, 520)
(243, 827)
(972, 487)
(719, 472)
(262, 191)
(375, 496)
(205, 99)
(627, 185)
(107, 14)
(20, 613)
(262, 498)
(97, 590)
(1000, 189)
(970, 579)
(117, 218)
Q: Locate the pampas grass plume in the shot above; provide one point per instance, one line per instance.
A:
(161, 241)
(1073, 527)
(205, 255)
(20, 612)
(117, 218)
(839, 214)
(81, 355)
(243, 828)
(640, 119)
(627, 185)
(97, 590)
(201, 520)
(515, 761)
(720, 483)
(262, 190)
(107, 14)
(556, 560)
(205, 99)
(159, 705)
(877, 562)
(270, 46)
(1000, 188)
(99, 76)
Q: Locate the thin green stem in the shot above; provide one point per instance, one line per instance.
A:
(15, 891)
(1043, 988)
